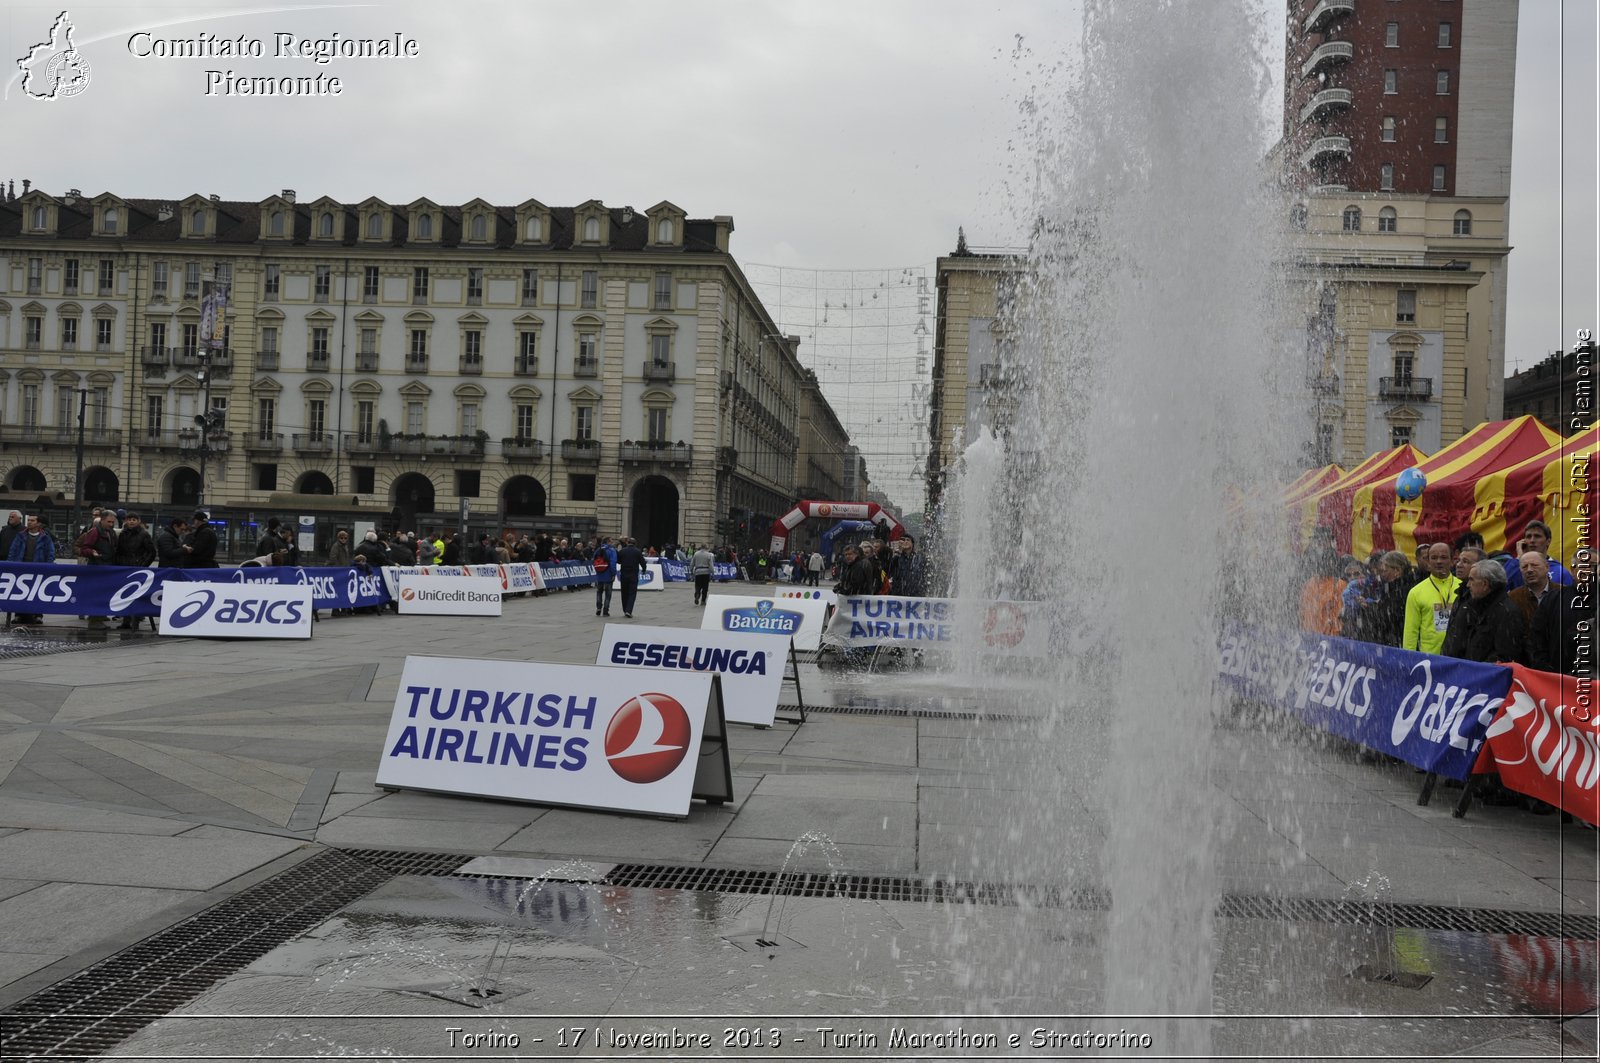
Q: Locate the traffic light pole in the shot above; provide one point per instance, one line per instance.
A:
(77, 478)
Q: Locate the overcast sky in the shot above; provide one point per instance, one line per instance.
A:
(838, 135)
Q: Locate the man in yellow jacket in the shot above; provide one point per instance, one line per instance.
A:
(1429, 603)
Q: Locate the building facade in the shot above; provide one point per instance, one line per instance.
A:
(1559, 390)
(575, 369)
(1396, 150)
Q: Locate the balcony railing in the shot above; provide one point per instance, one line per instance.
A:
(216, 442)
(659, 371)
(266, 361)
(316, 363)
(69, 345)
(727, 457)
(264, 442)
(1326, 101)
(586, 367)
(185, 357)
(471, 366)
(585, 450)
(155, 357)
(367, 362)
(525, 366)
(664, 453)
(515, 449)
(312, 442)
(1323, 147)
(359, 444)
(1331, 52)
(1406, 388)
(991, 375)
(1326, 12)
(416, 364)
(61, 435)
(442, 446)
(31, 343)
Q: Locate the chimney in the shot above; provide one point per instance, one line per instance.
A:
(724, 224)
(25, 184)
(164, 212)
(288, 194)
(13, 190)
(215, 198)
(627, 215)
(73, 195)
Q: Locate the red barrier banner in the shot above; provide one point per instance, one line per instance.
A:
(1546, 740)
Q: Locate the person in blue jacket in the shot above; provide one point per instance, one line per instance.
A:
(605, 567)
(35, 545)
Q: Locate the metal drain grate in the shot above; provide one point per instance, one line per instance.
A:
(397, 862)
(1232, 906)
(19, 646)
(905, 711)
(90, 1012)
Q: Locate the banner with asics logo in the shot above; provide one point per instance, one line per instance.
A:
(112, 590)
(1432, 712)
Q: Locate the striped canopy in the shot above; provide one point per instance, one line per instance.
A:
(1330, 507)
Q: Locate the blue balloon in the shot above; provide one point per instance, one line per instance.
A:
(1410, 484)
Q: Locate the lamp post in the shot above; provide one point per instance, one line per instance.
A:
(77, 479)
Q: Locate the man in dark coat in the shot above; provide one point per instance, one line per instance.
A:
(171, 550)
(1488, 626)
(1562, 638)
(630, 562)
(136, 549)
(857, 575)
(202, 542)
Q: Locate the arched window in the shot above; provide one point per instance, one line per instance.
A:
(1352, 219)
(1388, 220)
(591, 229)
(111, 220)
(425, 227)
(325, 225)
(276, 225)
(1463, 223)
(534, 229)
(198, 221)
(1298, 216)
(375, 226)
(38, 217)
(480, 227)
(664, 231)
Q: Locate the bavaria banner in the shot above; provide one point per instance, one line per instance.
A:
(114, 590)
(800, 620)
(1546, 742)
(1006, 629)
(556, 734)
(751, 665)
(235, 611)
(1431, 712)
(449, 595)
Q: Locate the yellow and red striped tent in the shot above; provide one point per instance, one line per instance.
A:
(1380, 521)
(1557, 486)
(1310, 482)
(1330, 507)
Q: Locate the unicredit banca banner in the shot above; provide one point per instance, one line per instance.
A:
(1007, 629)
(557, 734)
(236, 610)
(1431, 712)
(449, 595)
(751, 665)
(114, 590)
(514, 577)
(801, 620)
(1546, 741)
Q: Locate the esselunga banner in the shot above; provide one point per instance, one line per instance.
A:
(751, 666)
(744, 614)
(114, 590)
(1546, 742)
(580, 735)
(1431, 712)
(1007, 629)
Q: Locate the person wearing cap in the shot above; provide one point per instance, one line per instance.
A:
(136, 549)
(202, 544)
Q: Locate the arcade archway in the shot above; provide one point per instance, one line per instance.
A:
(100, 485)
(26, 479)
(183, 487)
(412, 493)
(655, 511)
(523, 496)
(314, 483)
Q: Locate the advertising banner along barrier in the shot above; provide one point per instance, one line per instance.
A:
(800, 593)
(651, 577)
(1007, 629)
(626, 739)
(556, 575)
(236, 611)
(751, 666)
(449, 595)
(113, 590)
(801, 620)
(1431, 712)
(678, 571)
(1546, 742)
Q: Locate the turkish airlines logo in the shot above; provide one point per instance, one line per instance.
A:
(1004, 626)
(647, 738)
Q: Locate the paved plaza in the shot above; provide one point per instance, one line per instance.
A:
(149, 780)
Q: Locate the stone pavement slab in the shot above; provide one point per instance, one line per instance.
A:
(63, 917)
(568, 832)
(437, 835)
(113, 859)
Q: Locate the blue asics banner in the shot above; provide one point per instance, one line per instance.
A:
(559, 574)
(112, 590)
(674, 571)
(724, 570)
(1431, 712)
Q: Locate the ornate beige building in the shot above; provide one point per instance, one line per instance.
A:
(565, 368)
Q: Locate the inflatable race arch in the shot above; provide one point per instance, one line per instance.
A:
(868, 511)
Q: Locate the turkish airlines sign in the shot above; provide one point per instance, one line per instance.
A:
(581, 735)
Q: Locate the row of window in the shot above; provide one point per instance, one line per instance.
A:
(1441, 129)
(1389, 218)
(363, 481)
(1391, 82)
(1391, 35)
(97, 406)
(372, 279)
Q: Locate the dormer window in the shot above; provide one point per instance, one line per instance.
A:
(664, 231)
(374, 226)
(109, 226)
(533, 231)
(425, 227)
(591, 230)
(197, 223)
(38, 218)
(275, 226)
(325, 224)
(480, 227)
